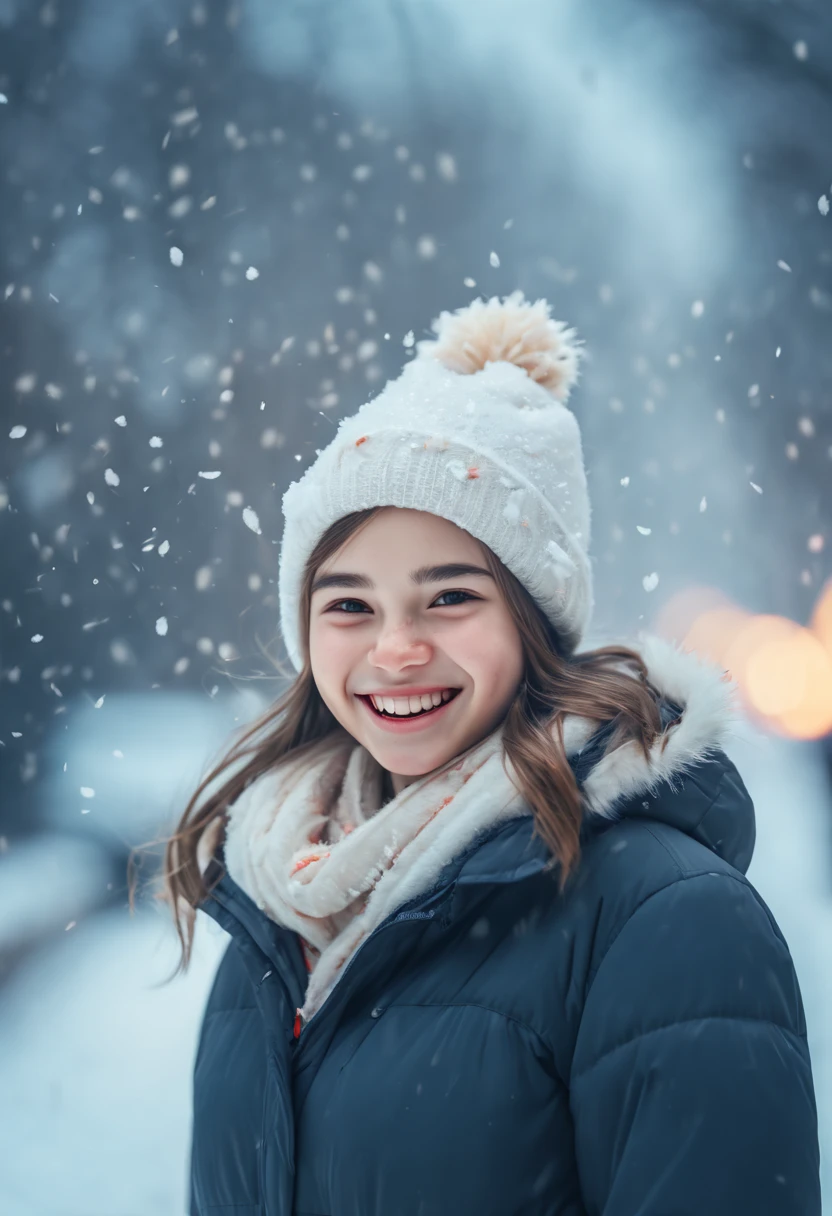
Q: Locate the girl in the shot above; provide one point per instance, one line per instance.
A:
(492, 947)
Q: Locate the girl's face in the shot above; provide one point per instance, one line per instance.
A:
(412, 645)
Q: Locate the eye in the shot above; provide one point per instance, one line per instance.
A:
(337, 607)
(465, 596)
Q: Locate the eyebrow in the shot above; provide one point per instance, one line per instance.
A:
(442, 573)
(341, 580)
(425, 574)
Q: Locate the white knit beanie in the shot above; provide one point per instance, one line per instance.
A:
(475, 429)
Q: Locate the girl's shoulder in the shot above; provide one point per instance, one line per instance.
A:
(657, 935)
(673, 851)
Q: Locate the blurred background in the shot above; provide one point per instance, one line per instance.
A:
(222, 226)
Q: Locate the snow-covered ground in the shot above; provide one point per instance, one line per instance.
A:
(96, 1057)
(95, 1064)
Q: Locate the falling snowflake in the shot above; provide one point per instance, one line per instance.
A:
(179, 176)
(209, 476)
(784, 265)
(121, 420)
(650, 581)
(112, 478)
(177, 257)
(163, 548)
(446, 166)
(17, 432)
(162, 626)
(643, 531)
(251, 520)
(823, 205)
(252, 273)
(755, 487)
(494, 259)
(703, 506)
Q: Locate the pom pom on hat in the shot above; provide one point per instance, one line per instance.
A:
(508, 331)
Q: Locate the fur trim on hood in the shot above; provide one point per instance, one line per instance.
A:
(709, 714)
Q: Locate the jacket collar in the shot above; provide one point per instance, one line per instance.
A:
(709, 802)
(229, 905)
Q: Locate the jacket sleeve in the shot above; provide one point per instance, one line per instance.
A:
(691, 1086)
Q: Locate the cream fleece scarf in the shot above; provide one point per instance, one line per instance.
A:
(314, 848)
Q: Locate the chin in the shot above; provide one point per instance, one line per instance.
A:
(411, 762)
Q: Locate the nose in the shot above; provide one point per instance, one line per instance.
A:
(398, 647)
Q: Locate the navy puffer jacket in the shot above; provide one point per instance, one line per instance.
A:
(633, 1047)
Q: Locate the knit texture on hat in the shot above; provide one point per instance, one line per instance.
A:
(473, 430)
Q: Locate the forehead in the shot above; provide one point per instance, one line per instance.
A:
(397, 533)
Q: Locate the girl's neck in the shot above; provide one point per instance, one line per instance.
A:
(394, 785)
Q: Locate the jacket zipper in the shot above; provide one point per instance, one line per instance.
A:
(401, 914)
(404, 913)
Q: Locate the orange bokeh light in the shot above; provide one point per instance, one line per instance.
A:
(811, 718)
(783, 670)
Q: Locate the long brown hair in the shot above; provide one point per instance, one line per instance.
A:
(608, 685)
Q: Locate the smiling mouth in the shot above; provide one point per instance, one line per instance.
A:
(404, 708)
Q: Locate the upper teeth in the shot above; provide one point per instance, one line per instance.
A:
(410, 705)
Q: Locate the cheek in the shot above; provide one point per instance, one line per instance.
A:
(491, 652)
(332, 655)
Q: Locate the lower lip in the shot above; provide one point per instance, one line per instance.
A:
(406, 726)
